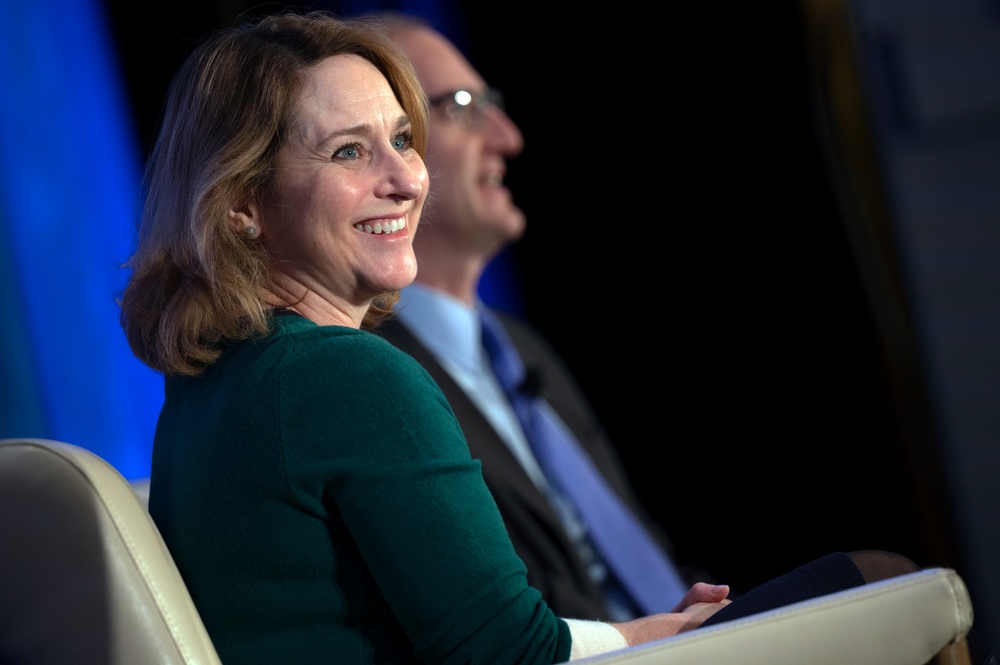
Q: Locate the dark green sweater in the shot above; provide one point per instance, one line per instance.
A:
(319, 498)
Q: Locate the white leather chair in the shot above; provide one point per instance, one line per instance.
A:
(85, 578)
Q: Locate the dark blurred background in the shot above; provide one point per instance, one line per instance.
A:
(765, 237)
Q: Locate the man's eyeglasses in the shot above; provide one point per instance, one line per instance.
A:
(468, 107)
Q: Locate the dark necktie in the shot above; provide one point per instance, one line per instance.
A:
(626, 547)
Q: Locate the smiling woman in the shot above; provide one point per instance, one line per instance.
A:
(270, 462)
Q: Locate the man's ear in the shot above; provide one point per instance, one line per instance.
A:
(245, 219)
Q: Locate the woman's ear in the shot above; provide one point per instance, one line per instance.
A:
(245, 220)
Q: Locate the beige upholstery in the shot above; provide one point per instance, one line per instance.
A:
(84, 576)
(901, 621)
(86, 579)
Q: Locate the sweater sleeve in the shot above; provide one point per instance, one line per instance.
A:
(377, 440)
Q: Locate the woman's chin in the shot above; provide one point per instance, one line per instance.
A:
(398, 278)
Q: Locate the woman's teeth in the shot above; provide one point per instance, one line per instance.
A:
(382, 227)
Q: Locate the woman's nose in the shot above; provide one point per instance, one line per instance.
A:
(405, 177)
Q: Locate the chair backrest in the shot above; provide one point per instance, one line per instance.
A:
(85, 577)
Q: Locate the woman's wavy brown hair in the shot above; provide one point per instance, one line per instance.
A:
(195, 281)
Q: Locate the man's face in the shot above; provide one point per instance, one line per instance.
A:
(467, 149)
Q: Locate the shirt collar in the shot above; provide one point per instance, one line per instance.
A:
(447, 326)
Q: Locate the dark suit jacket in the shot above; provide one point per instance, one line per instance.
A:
(553, 564)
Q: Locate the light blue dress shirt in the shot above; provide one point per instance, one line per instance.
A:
(450, 329)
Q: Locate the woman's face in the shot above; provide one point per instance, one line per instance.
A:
(350, 186)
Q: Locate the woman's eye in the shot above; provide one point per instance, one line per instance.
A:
(349, 151)
(403, 141)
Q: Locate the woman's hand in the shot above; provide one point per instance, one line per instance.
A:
(700, 602)
(700, 592)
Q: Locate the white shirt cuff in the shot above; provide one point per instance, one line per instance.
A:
(593, 637)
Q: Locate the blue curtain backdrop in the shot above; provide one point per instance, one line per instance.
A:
(69, 188)
(68, 192)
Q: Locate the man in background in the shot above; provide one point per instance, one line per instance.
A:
(469, 219)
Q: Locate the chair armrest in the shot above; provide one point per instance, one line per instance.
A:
(904, 620)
